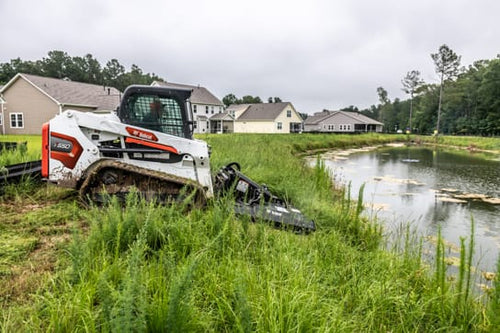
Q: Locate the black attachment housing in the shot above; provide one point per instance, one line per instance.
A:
(256, 201)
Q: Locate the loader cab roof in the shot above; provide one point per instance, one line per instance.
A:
(161, 109)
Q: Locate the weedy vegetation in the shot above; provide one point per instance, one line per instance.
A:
(146, 267)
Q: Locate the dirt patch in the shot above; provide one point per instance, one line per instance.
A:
(39, 233)
(29, 275)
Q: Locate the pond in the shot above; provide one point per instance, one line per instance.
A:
(428, 188)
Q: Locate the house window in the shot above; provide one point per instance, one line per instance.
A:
(1, 119)
(279, 125)
(289, 113)
(195, 125)
(212, 109)
(16, 120)
(206, 109)
(194, 108)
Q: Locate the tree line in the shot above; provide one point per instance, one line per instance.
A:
(466, 101)
(87, 69)
(59, 64)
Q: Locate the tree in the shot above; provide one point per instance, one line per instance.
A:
(384, 103)
(382, 95)
(350, 108)
(229, 99)
(248, 99)
(303, 115)
(56, 65)
(447, 63)
(134, 76)
(411, 82)
(85, 69)
(274, 100)
(489, 93)
(112, 72)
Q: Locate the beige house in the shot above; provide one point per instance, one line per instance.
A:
(266, 118)
(27, 101)
(341, 122)
(204, 104)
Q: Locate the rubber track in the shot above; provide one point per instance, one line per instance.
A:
(94, 170)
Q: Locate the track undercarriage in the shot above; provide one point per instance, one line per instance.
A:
(114, 178)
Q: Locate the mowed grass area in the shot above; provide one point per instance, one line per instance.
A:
(30, 147)
(162, 268)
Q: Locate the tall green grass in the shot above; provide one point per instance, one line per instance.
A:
(145, 267)
(149, 268)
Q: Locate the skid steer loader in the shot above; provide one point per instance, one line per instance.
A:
(148, 146)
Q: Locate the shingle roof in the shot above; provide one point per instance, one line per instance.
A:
(263, 111)
(76, 93)
(358, 117)
(318, 117)
(237, 107)
(362, 118)
(200, 95)
(222, 116)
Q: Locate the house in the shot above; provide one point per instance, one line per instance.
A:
(204, 104)
(222, 123)
(265, 118)
(27, 101)
(341, 122)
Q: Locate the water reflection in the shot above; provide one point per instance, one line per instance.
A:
(428, 188)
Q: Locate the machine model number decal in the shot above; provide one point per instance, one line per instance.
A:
(58, 144)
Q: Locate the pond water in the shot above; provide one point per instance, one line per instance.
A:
(428, 188)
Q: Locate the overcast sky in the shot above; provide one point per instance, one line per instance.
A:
(317, 54)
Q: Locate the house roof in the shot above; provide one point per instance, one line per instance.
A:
(359, 118)
(263, 111)
(318, 117)
(72, 93)
(237, 107)
(362, 118)
(200, 95)
(222, 116)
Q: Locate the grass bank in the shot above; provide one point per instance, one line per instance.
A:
(154, 268)
(471, 143)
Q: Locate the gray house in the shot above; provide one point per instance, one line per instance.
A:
(204, 104)
(341, 122)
